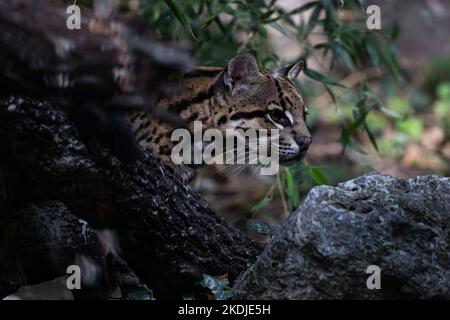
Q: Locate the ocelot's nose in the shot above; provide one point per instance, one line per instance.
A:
(303, 142)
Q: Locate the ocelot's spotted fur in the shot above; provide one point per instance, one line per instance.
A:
(242, 95)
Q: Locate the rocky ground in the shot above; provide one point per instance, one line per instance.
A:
(401, 226)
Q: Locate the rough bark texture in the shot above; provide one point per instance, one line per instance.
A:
(109, 66)
(43, 239)
(168, 235)
(326, 246)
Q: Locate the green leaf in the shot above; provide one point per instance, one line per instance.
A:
(357, 147)
(371, 136)
(261, 228)
(411, 127)
(265, 229)
(390, 113)
(139, 294)
(323, 45)
(318, 177)
(343, 55)
(373, 53)
(261, 204)
(304, 7)
(219, 287)
(389, 57)
(312, 22)
(329, 9)
(267, 14)
(351, 130)
(400, 106)
(443, 91)
(292, 191)
(330, 93)
(360, 118)
(279, 28)
(320, 77)
(179, 14)
(215, 14)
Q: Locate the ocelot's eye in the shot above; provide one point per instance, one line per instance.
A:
(279, 117)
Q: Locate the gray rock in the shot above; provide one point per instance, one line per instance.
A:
(325, 247)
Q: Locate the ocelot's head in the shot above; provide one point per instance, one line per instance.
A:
(263, 99)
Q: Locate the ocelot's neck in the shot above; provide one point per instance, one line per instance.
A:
(198, 99)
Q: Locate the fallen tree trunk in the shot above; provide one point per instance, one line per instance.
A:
(44, 239)
(168, 235)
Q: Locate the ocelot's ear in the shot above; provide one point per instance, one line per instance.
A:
(242, 69)
(290, 72)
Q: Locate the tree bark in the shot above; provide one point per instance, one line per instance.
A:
(167, 234)
(42, 240)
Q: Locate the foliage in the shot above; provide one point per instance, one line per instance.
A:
(219, 286)
(442, 107)
(218, 29)
(265, 229)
